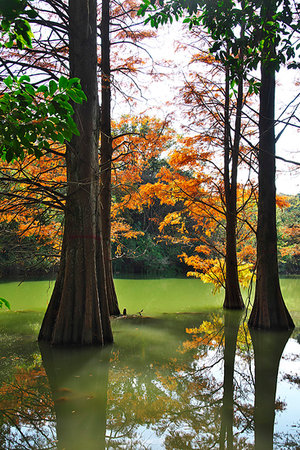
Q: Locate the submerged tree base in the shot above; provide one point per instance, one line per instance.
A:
(233, 301)
(270, 313)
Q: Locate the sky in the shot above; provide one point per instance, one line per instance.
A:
(288, 145)
(160, 92)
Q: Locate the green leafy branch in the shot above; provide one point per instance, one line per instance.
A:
(223, 18)
(32, 118)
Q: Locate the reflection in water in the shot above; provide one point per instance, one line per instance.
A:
(174, 383)
(27, 419)
(268, 348)
(231, 328)
(78, 380)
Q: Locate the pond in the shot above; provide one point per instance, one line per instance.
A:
(181, 374)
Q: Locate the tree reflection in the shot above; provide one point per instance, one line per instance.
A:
(78, 380)
(180, 400)
(231, 328)
(268, 347)
(26, 410)
(195, 391)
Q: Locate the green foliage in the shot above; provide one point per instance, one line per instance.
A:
(262, 28)
(14, 16)
(149, 253)
(33, 117)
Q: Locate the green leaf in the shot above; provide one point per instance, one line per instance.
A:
(81, 94)
(30, 89)
(68, 134)
(51, 109)
(9, 44)
(63, 83)
(73, 81)
(72, 125)
(43, 89)
(24, 78)
(9, 81)
(38, 153)
(52, 87)
(60, 137)
(73, 95)
(4, 302)
(9, 155)
(5, 24)
(32, 14)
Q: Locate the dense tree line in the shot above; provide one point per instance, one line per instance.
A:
(150, 252)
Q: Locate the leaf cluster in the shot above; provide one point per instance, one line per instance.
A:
(33, 117)
(15, 27)
(251, 27)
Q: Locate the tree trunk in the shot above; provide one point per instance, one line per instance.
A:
(269, 310)
(106, 156)
(233, 296)
(78, 309)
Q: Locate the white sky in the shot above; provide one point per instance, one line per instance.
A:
(288, 145)
(161, 92)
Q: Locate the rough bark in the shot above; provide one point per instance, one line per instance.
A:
(269, 310)
(106, 151)
(233, 296)
(78, 309)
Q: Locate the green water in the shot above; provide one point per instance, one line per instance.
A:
(158, 386)
(153, 297)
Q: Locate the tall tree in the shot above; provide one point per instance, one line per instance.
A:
(78, 310)
(213, 106)
(106, 151)
(233, 297)
(50, 56)
(266, 23)
(269, 310)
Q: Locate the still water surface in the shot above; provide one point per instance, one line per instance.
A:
(181, 375)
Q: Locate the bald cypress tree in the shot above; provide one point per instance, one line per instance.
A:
(78, 311)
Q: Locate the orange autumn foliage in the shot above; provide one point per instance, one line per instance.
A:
(211, 334)
(34, 191)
